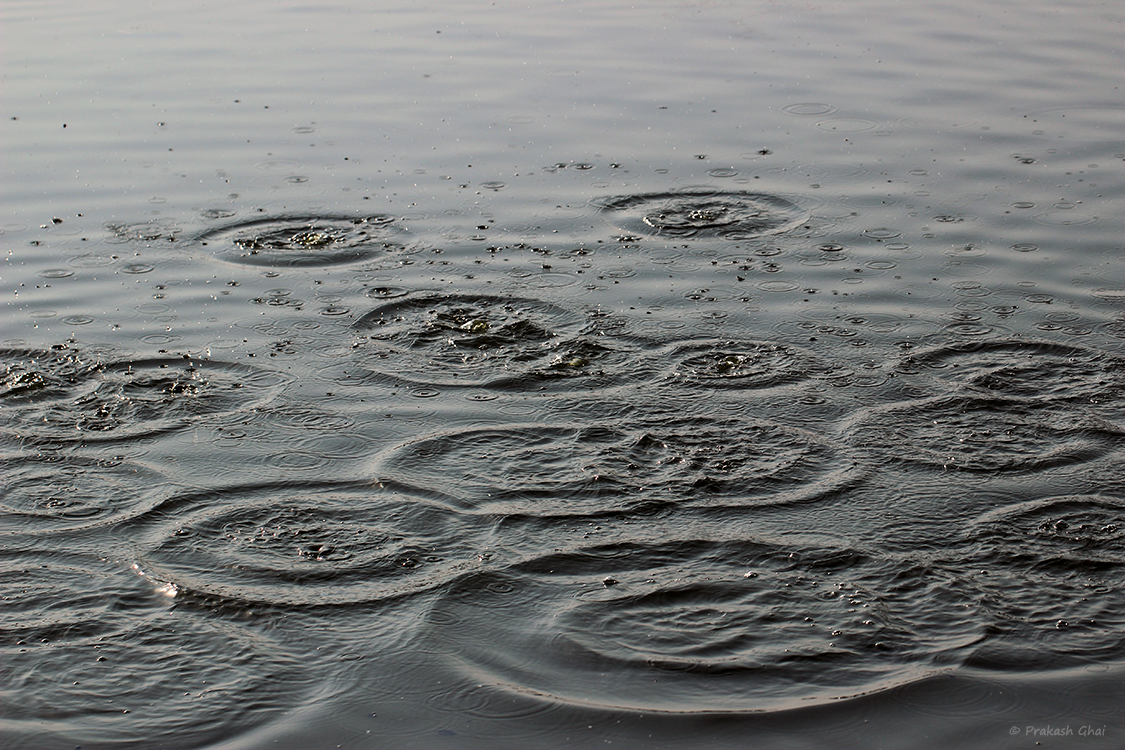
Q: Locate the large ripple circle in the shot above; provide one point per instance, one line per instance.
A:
(48, 493)
(302, 240)
(461, 339)
(1050, 572)
(702, 626)
(703, 214)
(586, 469)
(981, 434)
(1027, 369)
(304, 544)
(130, 398)
(744, 364)
(1064, 533)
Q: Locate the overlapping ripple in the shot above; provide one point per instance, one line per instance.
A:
(129, 398)
(1049, 570)
(707, 626)
(73, 631)
(29, 375)
(976, 433)
(1028, 369)
(49, 493)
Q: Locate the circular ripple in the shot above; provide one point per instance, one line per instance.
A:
(550, 470)
(806, 109)
(726, 215)
(126, 399)
(29, 375)
(707, 626)
(1051, 572)
(305, 544)
(302, 240)
(583, 363)
(744, 364)
(54, 493)
(982, 434)
(90, 650)
(462, 339)
(1028, 368)
(1069, 532)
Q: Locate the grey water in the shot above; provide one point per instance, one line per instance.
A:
(568, 374)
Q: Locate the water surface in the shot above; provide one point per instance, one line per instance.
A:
(693, 374)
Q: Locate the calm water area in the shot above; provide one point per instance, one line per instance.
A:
(576, 373)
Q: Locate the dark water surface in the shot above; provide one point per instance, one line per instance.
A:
(490, 375)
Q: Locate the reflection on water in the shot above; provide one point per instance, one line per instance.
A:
(495, 376)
